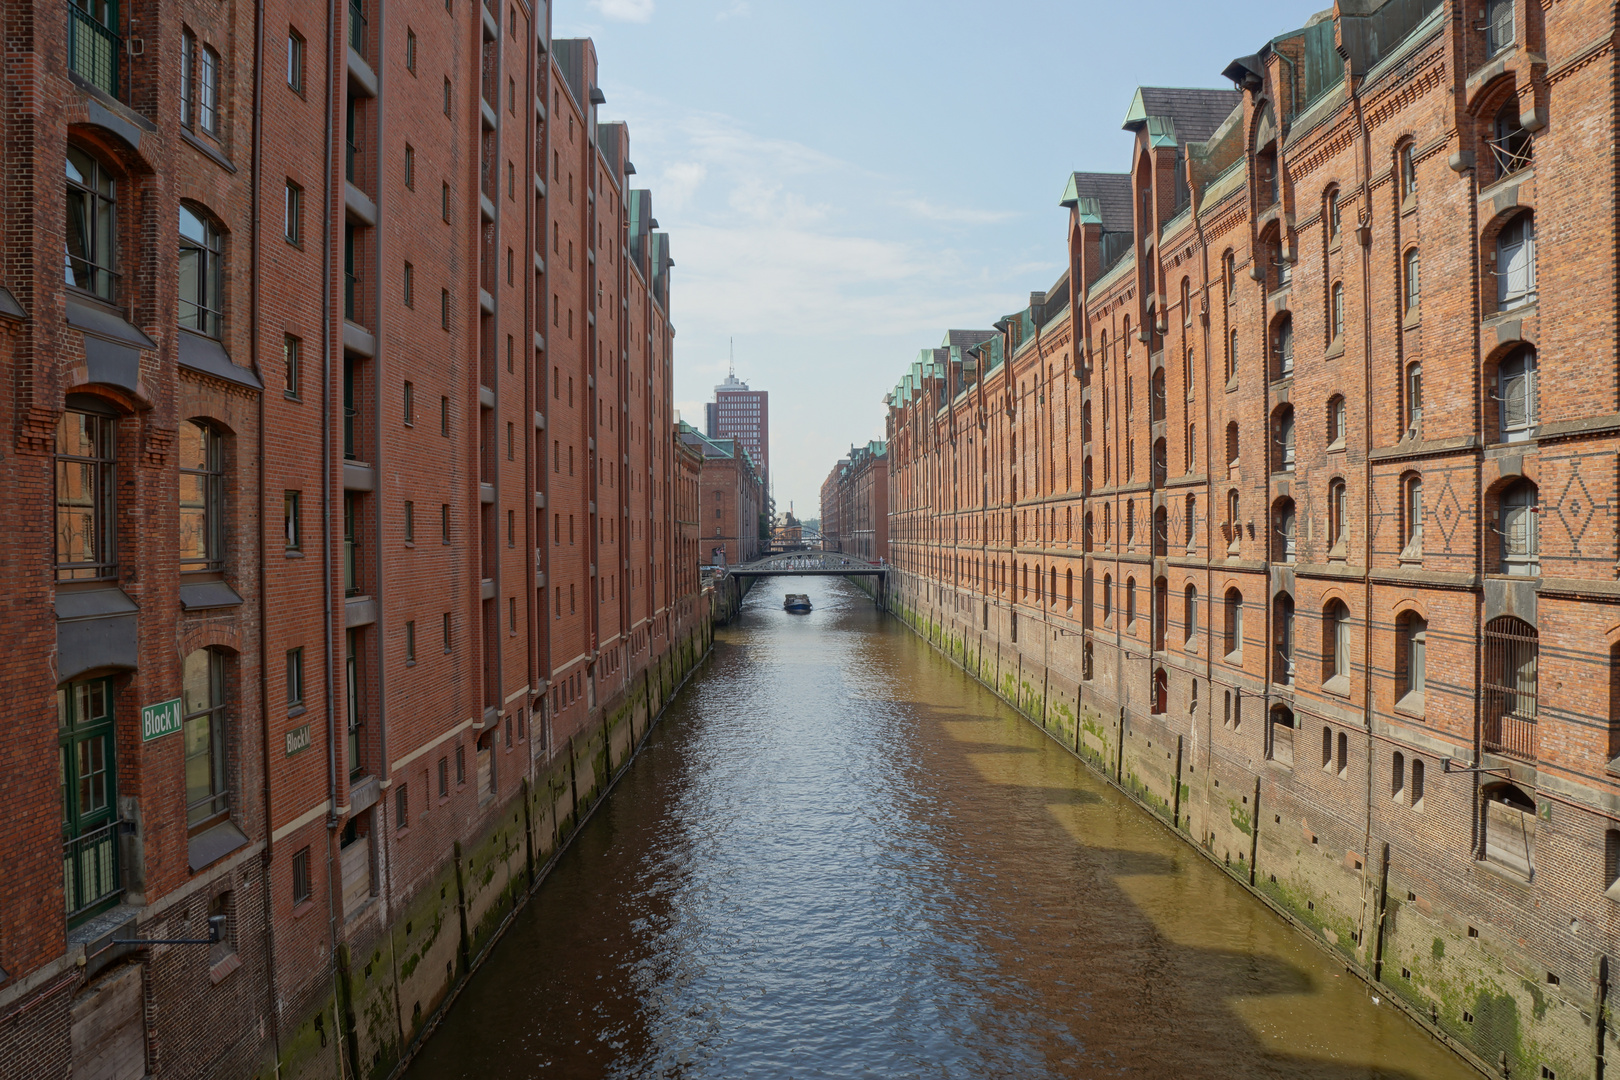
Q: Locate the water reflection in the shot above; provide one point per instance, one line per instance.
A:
(840, 857)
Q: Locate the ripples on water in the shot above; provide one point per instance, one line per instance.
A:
(839, 857)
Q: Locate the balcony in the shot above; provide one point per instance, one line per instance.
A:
(93, 47)
(90, 877)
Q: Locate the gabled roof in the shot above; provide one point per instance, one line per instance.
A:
(1104, 198)
(1194, 113)
(965, 338)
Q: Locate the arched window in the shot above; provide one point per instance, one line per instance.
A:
(92, 225)
(1411, 282)
(1337, 421)
(1087, 669)
(1338, 514)
(202, 497)
(1159, 402)
(1521, 534)
(1397, 777)
(202, 274)
(1336, 642)
(1280, 740)
(1130, 603)
(1517, 394)
(1192, 442)
(1282, 621)
(1412, 512)
(1414, 398)
(1068, 590)
(1161, 615)
(1108, 523)
(1508, 822)
(1331, 205)
(1161, 532)
(1161, 464)
(1232, 445)
(1161, 690)
(1611, 864)
(1327, 747)
(1107, 598)
(1232, 357)
(1411, 661)
(1408, 172)
(1186, 303)
(1130, 522)
(1282, 348)
(1336, 310)
(1052, 582)
(1229, 273)
(1284, 531)
(1511, 656)
(1189, 614)
(1516, 262)
(1512, 147)
(1418, 771)
(1232, 629)
(1283, 439)
(202, 711)
(1085, 532)
(1234, 522)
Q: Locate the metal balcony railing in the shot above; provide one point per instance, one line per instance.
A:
(1512, 735)
(1512, 152)
(93, 49)
(90, 869)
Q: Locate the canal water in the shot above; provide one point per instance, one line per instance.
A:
(837, 856)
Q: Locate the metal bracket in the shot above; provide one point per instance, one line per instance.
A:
(216, 930)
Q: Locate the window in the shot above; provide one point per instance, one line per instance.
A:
(410, 167)
(1408, 172)
(1234, 522)
(289, 351)
(87, 747)
(208, 91)
(1189, 614)
(1336, 646)
(410, 50)
(1508, 821)
(402, 808)
(1411, 667)
(444, 778)
(1282, 348)
(1233, 627)
(202, 707)
(1412, 507)
(1338, 515)
(410, 641)
(1414, 398)
(1336, 310)
(1232, 357)
(352, 703)
(1512, 147)
(444, 631)
(1397, 777)
(1509, 687)
(1282, 620)
(1517, 394)
(91, 225)
(1130, 603)
(201, 273)
(444, 309)
(1283, 439)
(188, 77)
(1413, 282)
(1499, 28)
(1516, 262)
(295, 61)
(461, 765)
(292, 521)
(86, 472)
(447, 97)
(410, 521)
(444, 523)
(1283, 524)
(1521, 534)
(1107, 598)
(1333, 222)
(1337, 422)
(409, 286)
(295, 677)
(302, 886)
(1417, 783)
(444, 201)
(444, 417)
(202, 497)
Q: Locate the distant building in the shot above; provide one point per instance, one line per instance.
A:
(732, 498)
(855, 503)
(742, 414)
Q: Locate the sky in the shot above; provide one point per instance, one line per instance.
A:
(844, 181)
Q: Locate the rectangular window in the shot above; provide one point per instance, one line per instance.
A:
(461, 765)
(444, 417)
(300, 877)
(409, 286)
(295, 214)
(295, 61)
(410, 50)
(510, 439)
(444, 309)
(511, 615)
(289, 352)
(410, 641)
(444, 629)
(402, 809)
(202, 497)
(86, 471)
(410, 522)
(444, 523)
(208, 91)
(447, 97)
(444, 201)
(444, 778)
(188, 76)
(410, 167)
(202, 709)
(410, 404)
(295, 677)
(511, 528)
(292, 521)
(511, 95)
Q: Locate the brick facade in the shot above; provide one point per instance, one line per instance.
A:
(855, 504)
(1286, 492)
(373, 467)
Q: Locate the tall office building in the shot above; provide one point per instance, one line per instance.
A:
(742, 414)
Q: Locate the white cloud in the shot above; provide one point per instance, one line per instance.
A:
(954, 215)
(625, 10)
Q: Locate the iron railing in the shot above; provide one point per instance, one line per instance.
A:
(93, 49)
(1511, 659)
(1512, 152)
(90, 878)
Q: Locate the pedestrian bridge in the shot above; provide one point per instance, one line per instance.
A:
(809, 564)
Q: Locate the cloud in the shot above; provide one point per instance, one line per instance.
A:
(638, 11)
(954, 215)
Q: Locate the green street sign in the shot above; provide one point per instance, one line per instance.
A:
(298, 740)
(160, 719)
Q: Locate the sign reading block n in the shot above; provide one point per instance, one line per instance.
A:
(160, 719)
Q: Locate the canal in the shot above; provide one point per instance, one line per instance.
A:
(838, 856)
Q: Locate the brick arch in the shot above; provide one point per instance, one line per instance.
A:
(1409, 603)
(111, 147)
(1335, 592)
(217, 635)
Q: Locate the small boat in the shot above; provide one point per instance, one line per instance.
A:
(796, 602)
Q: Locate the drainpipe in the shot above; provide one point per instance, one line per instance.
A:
(383, 771)
(1209, 498)
(264, 655)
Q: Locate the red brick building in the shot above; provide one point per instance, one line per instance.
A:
(855, 503)
(1287, 479)
(344, 506)
(732, 501)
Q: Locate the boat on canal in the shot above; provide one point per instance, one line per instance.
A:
(797, 603)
